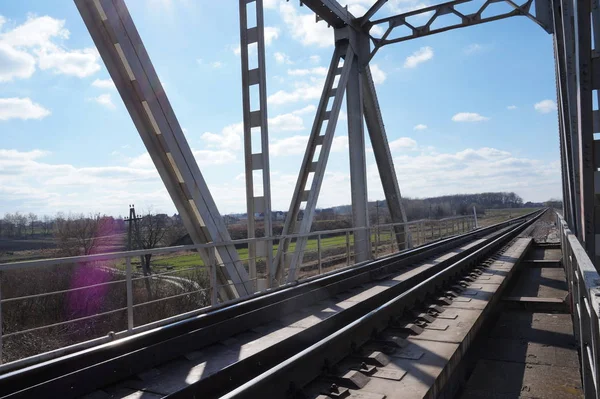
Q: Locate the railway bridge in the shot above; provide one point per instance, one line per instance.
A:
(408, 309)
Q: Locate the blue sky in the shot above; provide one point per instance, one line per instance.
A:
(468, 110)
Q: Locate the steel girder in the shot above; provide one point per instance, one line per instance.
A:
(130, 68)
(331, 12)
(383, 158)
(432, 13)
(255, 117)
(565, 85)
(319, 146)
(360, 97)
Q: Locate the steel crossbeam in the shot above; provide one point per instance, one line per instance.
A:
(331, 12)
(432, 13)
(130, 68)
(255, 118)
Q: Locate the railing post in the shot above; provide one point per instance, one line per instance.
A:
(347, 248)
(213, 276)
(269, 262)
(376, 241)
(129, 285)
(1, 319)
(319, 254)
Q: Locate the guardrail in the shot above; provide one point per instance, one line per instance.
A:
(67, 303)
(584, 297)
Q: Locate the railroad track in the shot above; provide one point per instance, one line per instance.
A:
(240, 350)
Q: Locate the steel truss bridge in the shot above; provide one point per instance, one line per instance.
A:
(349, 75)
(474, 257)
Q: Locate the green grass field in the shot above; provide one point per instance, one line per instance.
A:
(493, 216)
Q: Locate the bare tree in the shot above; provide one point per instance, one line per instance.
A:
(21, 223)
(46, 223)
(32, 219)
(151, 231)
(79, 234)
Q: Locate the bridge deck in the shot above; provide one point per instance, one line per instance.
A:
(530, 351)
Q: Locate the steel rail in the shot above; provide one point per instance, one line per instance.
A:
(288, 377)
(147, 349)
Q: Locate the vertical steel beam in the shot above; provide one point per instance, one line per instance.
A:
(583, 57)
(383, 158)
(316, 167)
(570, 95)
(358, 163)
(565, 132)
(255, 117)
(130, 68)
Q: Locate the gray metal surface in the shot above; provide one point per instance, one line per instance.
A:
(431, 13)
(584, 298)
(253, 32)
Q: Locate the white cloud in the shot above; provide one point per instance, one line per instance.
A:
(105, 100)
(339, 144)
(41, 38)
(15, 63)
(511, 107)
(271, 33)
(378, 75)
(473, 48)
(306, 110)
(315, 59)
(303, 28)
(80, 63)
(473, 170)
(104, 83)
(36, 32)
(469, 117)
(294, 145)
(28, 183)
(402, 143)
(302, 91)
(420, 126)
(545, 106)
(21, 108)
(418, 57)
(216, 64)
(317, 71)
(286, 122)
(229, 139)
(282, 58)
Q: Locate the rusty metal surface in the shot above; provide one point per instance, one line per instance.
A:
(530, 352)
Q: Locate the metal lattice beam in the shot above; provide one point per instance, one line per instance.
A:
(432, 13)
(319, 146)
(255, 118)
(130, 68)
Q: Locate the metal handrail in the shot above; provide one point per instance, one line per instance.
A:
(584, 298)
(344, 259)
